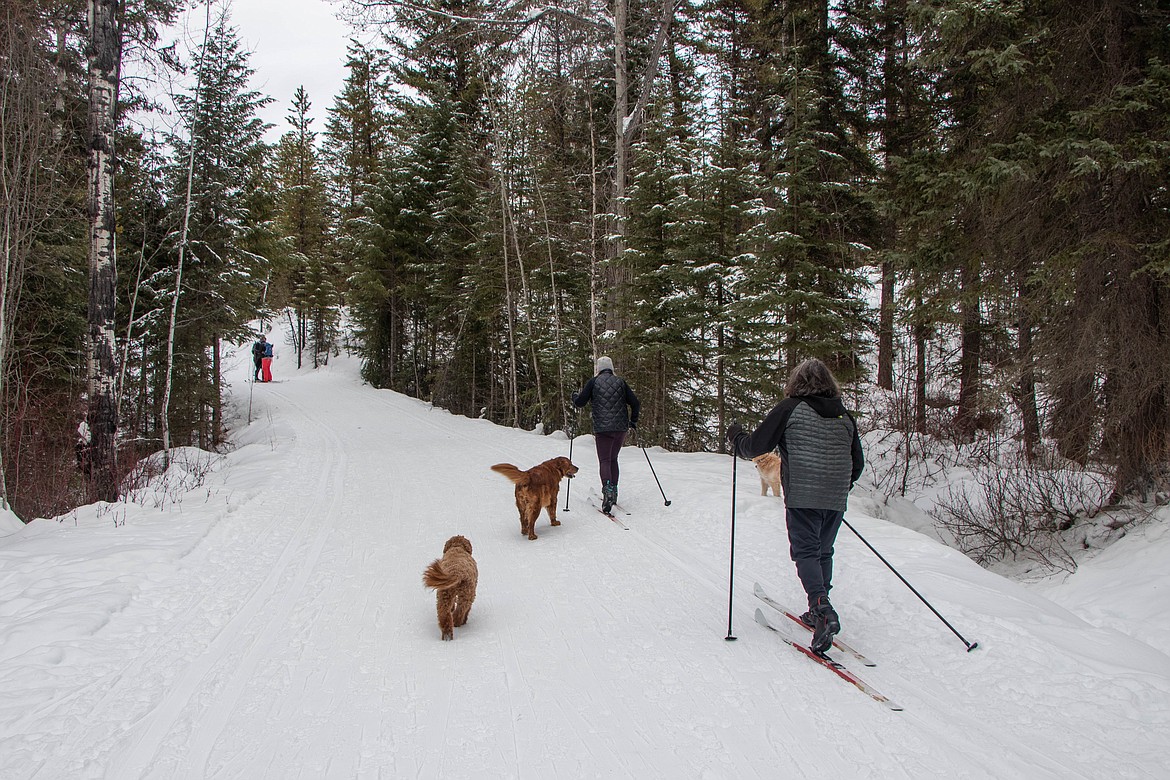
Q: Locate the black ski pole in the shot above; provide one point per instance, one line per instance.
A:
(570, 485)
(970, 645)
(660, 490)
(731, 567)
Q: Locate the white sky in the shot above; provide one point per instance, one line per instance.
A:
(290, 43)
(293, 43)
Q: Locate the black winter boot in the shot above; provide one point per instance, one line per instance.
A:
(826, 626)
(608, 497)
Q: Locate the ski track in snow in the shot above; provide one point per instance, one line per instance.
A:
(285, 632)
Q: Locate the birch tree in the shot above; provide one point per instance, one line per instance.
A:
(104, 55)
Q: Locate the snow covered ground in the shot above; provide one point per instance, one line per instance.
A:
(261, 615)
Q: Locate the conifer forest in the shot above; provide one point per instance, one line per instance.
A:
(962, 206)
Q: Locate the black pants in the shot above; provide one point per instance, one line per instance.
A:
(811, 534)
(256, 373)
(609, 445)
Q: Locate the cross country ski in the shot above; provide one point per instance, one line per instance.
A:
(763, 596)
(833, 666)
(593, 502)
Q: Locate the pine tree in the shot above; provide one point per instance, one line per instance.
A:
(308, 275)
(223, 281)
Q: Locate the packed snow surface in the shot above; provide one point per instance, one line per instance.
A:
(261, 614)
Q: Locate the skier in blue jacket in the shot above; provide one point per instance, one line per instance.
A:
(610, 396)
(821, 458)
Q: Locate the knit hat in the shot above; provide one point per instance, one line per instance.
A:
(602, 364)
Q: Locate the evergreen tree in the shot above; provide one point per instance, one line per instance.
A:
(308, 275)
(223, 283)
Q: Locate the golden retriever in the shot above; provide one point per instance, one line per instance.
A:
(454, 577)
(768, 465)
(536, 488)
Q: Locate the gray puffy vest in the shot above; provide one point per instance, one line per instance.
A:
(820, 460)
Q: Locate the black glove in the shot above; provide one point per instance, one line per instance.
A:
(734, 432)
(633, 426)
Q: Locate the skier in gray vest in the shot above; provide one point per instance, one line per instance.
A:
(821, 458)
(610, 395)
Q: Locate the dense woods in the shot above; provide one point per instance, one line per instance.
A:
(960, 205)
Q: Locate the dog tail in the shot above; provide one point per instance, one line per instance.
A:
(435, 577)
(511, 472)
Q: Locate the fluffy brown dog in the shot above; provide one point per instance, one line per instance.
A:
(454, 576)
(536, 488)
(768, 465)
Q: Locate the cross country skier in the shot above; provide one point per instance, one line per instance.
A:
(258, 349)
(821, 458)
(610, 395)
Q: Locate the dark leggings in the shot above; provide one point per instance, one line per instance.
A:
(609, 445)
(811, 534)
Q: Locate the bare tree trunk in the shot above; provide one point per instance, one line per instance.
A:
(621, 150)
(893, 134)
(105, 55)
(970, 340)
(885, 372)
(627, 120)
(919, 367)
(217, 393)
(594, 273)
(510, 306)
(1027, 384)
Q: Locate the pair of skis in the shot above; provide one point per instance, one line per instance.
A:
(782, 627)
(594, 502)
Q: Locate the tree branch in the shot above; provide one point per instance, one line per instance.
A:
(634, 120)
(532, 17)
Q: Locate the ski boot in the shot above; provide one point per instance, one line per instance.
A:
(826, 625)
(608, 497)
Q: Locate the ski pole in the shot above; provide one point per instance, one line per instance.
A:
(569, 486)
(970, 645)
(660, 490)
(251, 387)
(731, 567)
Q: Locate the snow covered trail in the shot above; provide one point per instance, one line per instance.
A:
(272, 624)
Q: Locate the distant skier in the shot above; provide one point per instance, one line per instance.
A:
(266, 361)
(258, 350)
(821, 458)
(610, 395)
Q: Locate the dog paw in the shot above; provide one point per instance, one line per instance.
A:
(554, 522)
(532, 536)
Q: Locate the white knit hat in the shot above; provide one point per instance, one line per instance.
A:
(602, 364)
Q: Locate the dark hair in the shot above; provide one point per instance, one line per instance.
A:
(812, 377)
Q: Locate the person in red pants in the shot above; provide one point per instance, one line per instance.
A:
(266, 361)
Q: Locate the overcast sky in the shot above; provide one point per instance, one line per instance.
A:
(293, 43)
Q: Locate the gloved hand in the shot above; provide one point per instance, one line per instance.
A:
(734, 432)
(633, 426)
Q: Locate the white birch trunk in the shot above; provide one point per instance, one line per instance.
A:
(105, 53)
